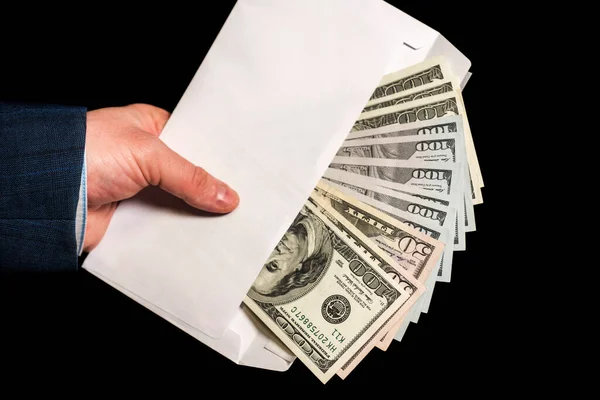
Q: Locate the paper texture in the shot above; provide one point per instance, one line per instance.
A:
(246, 341)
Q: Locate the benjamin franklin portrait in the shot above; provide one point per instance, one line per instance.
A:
(297, 261)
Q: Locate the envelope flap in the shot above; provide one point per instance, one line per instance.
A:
(259, 346)
(458, 62)
(415, 34)
(415, 41)
(272, 101)
(228, 345)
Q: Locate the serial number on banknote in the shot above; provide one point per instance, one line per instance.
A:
(299, 318)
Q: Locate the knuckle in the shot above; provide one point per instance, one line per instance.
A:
(200, 179)
(151, 118)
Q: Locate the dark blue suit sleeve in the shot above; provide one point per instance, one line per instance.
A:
(42, 150)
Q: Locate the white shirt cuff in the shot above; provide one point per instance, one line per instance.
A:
(81, 215)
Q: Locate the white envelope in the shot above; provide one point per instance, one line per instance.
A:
(267, 110)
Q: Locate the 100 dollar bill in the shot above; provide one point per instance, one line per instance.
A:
(431, 89)
(439, 177)
(427, 72)
(447, 124)
(325, 290)
(419, 250)
(370, 191)
(428, 108)
(435, 176)
(438, 126)
(448, 147)
(422, 224)
(417, 253)
(420, 110)
(431, 71)
(414, 251)
(379, 196)
(438, 214)
(442, 147)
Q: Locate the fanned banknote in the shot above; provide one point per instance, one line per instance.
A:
(446, 147)
(420, 110)
(373, 191)
(326, 290)
(435, 176)
(442, 147)
(428, 90)
(432, 70)
(415, 252)
(386, 203)
(427, 108)
(343, 197)
(438, 214)
(447, 124)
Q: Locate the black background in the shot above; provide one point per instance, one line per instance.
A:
(104, 56)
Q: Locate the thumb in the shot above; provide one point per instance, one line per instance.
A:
(193, 184)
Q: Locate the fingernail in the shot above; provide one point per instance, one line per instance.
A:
(226, 196)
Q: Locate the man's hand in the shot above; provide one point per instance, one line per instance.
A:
(125, 155)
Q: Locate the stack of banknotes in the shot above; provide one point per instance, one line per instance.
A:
(360, 261)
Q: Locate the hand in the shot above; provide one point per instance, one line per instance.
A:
(125, 155)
